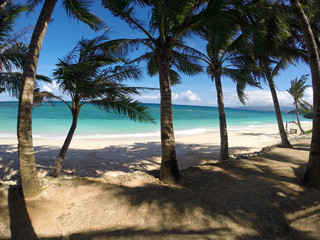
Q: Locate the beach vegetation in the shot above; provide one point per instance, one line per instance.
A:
(224, 42)
(78, 10)
(270, 48)
(12, 48)
(303, 13)
(170, 22)
(296, 90)
(91, 74)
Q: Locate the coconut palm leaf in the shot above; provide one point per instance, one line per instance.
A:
(10, 82)
(79, 10)
(125, 106)
(12, 50)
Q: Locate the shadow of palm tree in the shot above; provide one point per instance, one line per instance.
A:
(97, 162)
(20, 224)
(247, 198)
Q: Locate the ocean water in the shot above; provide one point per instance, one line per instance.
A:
(54, 122)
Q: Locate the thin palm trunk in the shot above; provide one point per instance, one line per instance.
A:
(284, 140)
(28, 173)
(224, 149)
(55, 172)
(169, 171)
(298, 119)
(312, 174)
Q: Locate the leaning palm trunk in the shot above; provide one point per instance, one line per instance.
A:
(55, 172)
(169, 171)
(312, 174)
(298, 119)
(224, 149)
(28, 173)
(284, 140)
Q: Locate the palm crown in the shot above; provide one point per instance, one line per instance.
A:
(12, 50)
(89, 74)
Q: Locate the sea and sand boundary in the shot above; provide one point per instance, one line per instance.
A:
(102, 157)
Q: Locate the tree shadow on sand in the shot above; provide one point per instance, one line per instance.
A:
(121, 158)
(20, 224)
(247, 198)
(222, 201)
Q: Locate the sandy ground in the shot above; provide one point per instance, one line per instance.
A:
(111, 157)
(254, 196)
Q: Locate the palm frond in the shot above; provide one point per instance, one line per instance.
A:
(79, 9)
(127, 107)
(242, 77)
(40, 97)
(188, 64)
(120, 73)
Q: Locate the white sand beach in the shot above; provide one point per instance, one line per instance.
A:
(258, 196)
(111, 157)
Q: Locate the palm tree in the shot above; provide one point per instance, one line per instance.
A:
(296, 91)
(312, 174)
(170, 22)
(269, 49)
(222, 60)
(87, 74)
(77, 9)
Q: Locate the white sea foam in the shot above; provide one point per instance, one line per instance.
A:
(120, 135)
(7, 135)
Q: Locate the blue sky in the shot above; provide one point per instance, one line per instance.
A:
(64, 32)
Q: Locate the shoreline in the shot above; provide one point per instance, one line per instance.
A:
(112, 157)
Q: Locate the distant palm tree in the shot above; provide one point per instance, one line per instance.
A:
(77, 9)
(88, 75)
(296, 91)
(170, 22)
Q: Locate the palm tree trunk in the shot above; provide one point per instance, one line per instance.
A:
(224, 149)
(28, 173)
(55, 172)
(284, 140)
(312, 174)
(298, 119)
(169, 171)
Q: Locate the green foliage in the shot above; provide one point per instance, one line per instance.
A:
(225, 42)
(79, 10)
(170, 22)
(12, 50)
(11, 82)
(90, 75)
(125, 106)
(270, 41)
(309, 131)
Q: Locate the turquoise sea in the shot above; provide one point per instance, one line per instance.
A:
(54, 122)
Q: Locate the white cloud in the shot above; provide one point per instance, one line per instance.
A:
(263, 98)
(6, 97)
(51, 87)
(149, 98)
(308, 95)
(185, 97)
